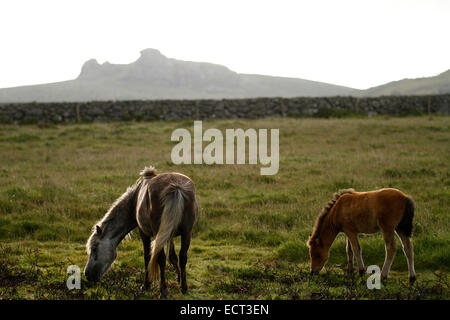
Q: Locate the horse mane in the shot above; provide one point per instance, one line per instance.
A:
(113, 212)
(323, 214)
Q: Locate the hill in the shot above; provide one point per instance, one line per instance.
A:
(439, 84)
(154, 76)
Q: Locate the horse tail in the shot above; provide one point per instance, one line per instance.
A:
(172, 198)
(406, 224)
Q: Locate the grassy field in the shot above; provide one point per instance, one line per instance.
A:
(250, 239)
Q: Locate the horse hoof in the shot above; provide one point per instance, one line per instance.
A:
(412, 280)
(144, 287)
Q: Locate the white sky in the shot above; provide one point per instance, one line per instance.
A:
(354, 43)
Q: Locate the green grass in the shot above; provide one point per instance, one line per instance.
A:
(250, 238)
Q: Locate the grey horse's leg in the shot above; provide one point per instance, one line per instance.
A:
(174, 260)
(185, 243)
(162, 269)
(147, 256)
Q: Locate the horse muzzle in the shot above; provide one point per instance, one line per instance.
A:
(92, 274)
(92, 278)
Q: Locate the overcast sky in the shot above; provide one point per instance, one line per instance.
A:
(353, 43)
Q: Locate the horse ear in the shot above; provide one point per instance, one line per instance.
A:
(98, 230)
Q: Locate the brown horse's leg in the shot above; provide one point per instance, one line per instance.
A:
(147, 254)
(349, 251)
(174, 260)
(391, 248)
(162, 270)
(356, 248)
(409, 254)
(185, 242)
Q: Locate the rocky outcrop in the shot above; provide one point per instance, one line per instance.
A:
(154, 76)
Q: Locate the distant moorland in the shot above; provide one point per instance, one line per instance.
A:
(153, 76)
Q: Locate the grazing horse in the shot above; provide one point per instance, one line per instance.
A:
(351, 212)
(162, 206)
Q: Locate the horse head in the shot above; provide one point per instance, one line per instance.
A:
(102, 253)
(319, 255)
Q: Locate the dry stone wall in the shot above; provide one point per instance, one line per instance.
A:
(221, 109)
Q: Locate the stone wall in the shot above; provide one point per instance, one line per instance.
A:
(224, 109)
